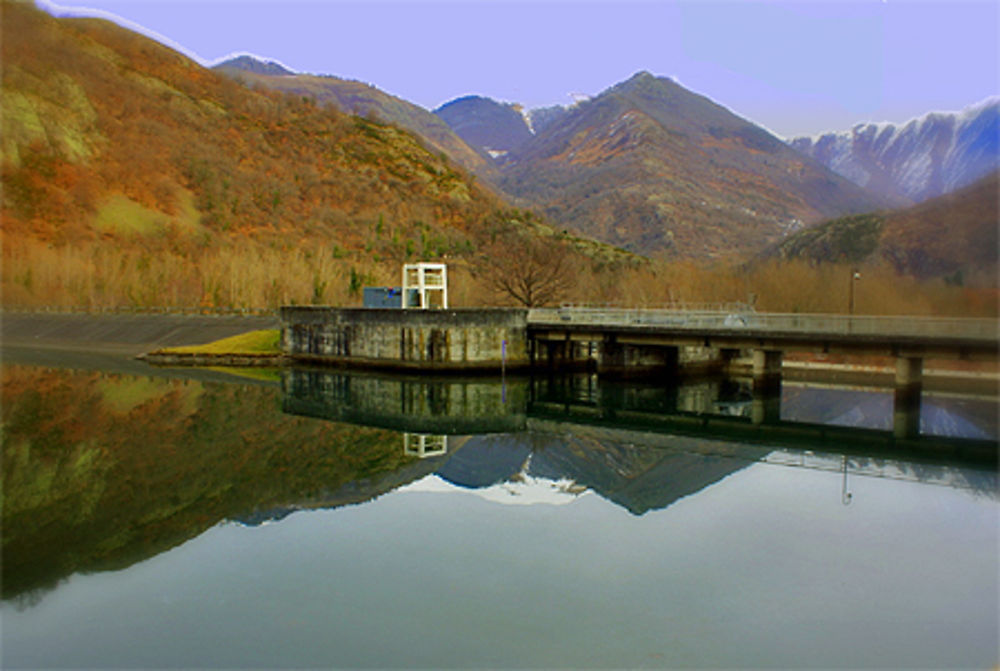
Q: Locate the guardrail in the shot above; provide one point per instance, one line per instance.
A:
(763, 322)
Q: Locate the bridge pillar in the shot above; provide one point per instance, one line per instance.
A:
(563, 353)
(625, 360)
(612, 359)
(726, 356)
(766, 405)
(556, 353)
(655, 360)
(906, 400)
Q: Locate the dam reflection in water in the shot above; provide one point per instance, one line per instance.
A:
(843, 419)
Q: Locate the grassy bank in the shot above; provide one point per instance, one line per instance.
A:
(246, 350)
(263, 342)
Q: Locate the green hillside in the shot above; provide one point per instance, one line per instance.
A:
(953, 237)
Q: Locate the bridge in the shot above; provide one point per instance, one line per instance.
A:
(937, 336)
(620, 341)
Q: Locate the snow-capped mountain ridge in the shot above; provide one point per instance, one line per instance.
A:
(960, 114)
(520, 490)
(924, 157)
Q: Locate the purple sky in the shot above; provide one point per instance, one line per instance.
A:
(794, 67)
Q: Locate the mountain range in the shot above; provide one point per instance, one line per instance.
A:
(659, 170)
(113, 140)
(646, 165)
(935, 154)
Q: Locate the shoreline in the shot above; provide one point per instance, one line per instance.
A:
(140, 336)
(234, 359)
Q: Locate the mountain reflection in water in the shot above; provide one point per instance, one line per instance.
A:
(105, 470)
(656, 527)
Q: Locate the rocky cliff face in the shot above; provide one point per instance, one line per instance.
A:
(923, 158)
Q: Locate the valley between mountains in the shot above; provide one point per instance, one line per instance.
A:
(135, 177)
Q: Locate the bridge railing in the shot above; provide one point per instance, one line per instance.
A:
(673, 306)
(737, 321)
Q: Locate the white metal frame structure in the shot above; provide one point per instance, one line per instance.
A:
(431, 282)
(424, 445)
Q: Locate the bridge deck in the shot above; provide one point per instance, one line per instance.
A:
(962, 336)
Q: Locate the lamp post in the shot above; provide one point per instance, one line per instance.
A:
(855, 276)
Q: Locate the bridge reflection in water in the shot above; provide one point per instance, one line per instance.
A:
(721, 409)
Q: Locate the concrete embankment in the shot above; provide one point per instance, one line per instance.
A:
(125, 334)
(110, 342)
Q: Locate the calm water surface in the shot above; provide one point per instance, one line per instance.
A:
(151, 521)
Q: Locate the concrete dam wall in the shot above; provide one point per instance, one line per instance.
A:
(442, 340)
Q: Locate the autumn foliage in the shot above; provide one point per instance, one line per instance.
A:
(134, 178)
(135, 170)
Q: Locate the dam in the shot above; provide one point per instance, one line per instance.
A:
(630, 343)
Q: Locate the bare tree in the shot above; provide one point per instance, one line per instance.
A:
(532, 271)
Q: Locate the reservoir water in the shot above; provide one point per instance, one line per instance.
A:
(308, 519)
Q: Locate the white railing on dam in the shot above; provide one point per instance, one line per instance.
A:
(735, 321)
